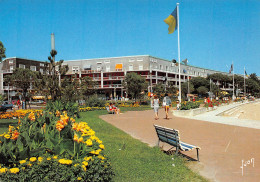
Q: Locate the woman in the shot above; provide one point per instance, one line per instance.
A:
(156, 106)
(167, 103)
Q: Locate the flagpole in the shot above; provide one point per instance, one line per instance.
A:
(233, 83)
(244, 81)
(179, 54)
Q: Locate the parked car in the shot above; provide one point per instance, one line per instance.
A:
(7, 105)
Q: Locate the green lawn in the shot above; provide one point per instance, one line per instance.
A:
(133, 160)
(4, 123)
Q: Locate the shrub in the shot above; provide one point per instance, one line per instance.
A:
(94, 101)
(189, 105)
(70, 107)
(51, 146)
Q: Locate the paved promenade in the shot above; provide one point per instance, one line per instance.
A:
(224, 146)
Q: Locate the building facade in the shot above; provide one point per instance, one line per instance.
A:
(109, 73)
(9, 65)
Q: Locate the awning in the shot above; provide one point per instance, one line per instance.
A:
(119, 66)
(40, 97)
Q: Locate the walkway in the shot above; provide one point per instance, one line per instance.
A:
(223, 147)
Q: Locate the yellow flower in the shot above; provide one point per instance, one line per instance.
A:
(14, 170)
(55, 157)
(75, 165)
(48, 158)
(101, 157)
(84, 167)
(79, 178)
(101, 146)
(89, 142)
(65, 161)
(40, 159)
(7, 136)
(3, 170)
(87, 158)
(32, 159)
(29, 164)
(22, 161)
(85, 163)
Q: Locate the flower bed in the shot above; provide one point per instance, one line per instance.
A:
(83, 109)
(189, 105)
(50, 146)
(17, 113)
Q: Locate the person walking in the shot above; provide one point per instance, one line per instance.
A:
(166, 104)
(156, 106)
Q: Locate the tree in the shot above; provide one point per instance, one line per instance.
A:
(73, 89)
(184, 88)
(49, 83)
(202, 90)
(22, 79)
(135, 84)
(2, 51)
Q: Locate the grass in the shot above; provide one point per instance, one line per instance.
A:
(133, 160)
(4, 124)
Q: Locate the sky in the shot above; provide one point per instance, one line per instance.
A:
(213, 33)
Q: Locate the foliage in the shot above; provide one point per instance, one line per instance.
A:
(202, 90)
(48, 83)
(198, 82)
(219, 77)
(52, 147)
(94, 101)
(135, 84)
(189, 105)
(184, 88)
(74, 89)
(2, 51)
(23, 79)
(1, 99)
(70, 107)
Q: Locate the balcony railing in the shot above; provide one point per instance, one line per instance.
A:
(8, 71)
(111, 86)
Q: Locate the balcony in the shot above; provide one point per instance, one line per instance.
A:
(8, 71)
(111, 86)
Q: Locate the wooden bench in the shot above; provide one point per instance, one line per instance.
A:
(110, 112)
(172, 137)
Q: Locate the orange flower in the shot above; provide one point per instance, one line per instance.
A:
(15, 135)
(75, 138)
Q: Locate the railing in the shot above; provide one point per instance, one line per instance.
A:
(111, 86)
(8, 71)
(10, 88)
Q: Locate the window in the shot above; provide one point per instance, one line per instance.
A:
(22, 66)
(41, 64)
(131, 60)
(107, 68)
(98, 68)
(161, 67)
(131, 67)
(140, 67)
(33, 68)
(11, 68)
(139, 59)
(99, 62)
(11, 61)
(107, 61)
(75, 69)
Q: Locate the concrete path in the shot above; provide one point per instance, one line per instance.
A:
(224, 148)
(215, 116)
